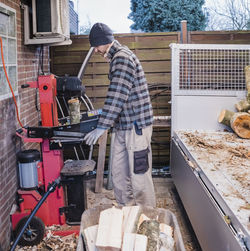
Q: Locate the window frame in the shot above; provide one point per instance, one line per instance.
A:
(6, 55)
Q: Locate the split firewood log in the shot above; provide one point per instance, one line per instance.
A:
(150, 228)
(109, 234)
(130, 218)
(142, 218)
(90, 234)
(244, 105)
(239, 122)
(166, 240)
(134, 242)
(166, 229)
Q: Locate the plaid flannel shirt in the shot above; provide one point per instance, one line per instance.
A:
(128, 99)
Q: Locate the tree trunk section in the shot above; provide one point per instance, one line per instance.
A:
(242, 106)
(225, 117)
(74, 111)
(247, 76)
(240, 123)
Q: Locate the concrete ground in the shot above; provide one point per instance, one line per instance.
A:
(166, 196)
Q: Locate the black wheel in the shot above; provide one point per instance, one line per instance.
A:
(34, 232)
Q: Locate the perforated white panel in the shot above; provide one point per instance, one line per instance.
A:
(205, 80)
(213, 69)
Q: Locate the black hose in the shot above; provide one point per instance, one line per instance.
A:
(51, 189)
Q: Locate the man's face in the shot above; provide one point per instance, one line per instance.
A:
(101, 49)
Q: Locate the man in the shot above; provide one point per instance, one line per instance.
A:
(128, 110)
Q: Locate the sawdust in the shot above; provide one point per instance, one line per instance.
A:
(200, 140)
(53, 242)
(225, 152)
(225, 160)
(246, 207)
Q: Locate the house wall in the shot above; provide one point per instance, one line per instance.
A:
(28, 60)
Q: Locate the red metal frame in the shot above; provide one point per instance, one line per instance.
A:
(47, 94)
(50, 167)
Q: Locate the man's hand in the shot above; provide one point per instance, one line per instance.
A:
(93, 136)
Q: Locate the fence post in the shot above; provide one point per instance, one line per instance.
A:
(184, 32)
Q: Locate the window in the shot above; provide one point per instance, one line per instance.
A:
(8, 35)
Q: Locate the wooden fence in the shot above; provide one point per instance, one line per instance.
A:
(155, 55)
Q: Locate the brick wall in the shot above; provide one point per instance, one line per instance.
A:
(28, 58)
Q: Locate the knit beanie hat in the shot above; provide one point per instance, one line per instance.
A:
(100, 34)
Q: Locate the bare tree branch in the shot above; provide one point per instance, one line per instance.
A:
(230, 14)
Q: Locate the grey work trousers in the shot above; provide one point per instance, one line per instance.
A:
(132, 188)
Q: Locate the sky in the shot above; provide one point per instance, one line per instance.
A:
(114, 13)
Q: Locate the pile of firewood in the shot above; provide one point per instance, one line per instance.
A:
(239, 121)
(128, 229)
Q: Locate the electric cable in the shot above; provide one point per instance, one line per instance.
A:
(158, 94)
(42, 60)
(159, 87)
(36, 96)
(39, 67)
(12, 92)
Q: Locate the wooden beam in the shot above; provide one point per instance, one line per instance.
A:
(100, 163)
